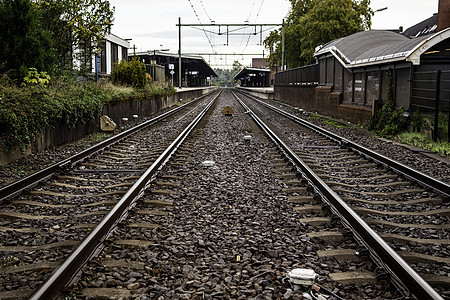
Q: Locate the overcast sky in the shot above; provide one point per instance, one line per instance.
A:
(151, 24)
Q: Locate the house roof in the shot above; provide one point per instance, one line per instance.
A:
(425, 27)
(117, 40)
(380, 46)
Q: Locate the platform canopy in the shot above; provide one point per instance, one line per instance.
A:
(196, 69)
(253, 77)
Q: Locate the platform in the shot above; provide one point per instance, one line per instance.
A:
(261, 92)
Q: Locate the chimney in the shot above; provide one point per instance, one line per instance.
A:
(443, 15)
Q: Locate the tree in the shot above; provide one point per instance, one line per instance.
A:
(79, 24)
(312, 23)
(226, 77)
(23, 41)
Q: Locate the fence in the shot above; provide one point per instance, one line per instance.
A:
(307, 75)
(156, 72)
(430, 98)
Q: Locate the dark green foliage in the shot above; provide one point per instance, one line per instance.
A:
(312, 23)
(418, 120)
(23, 41)
(388, 121)
(129, 73)
(22, 116)
(25, 112)
(81, 24)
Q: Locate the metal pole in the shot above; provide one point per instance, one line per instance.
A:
(436, 107)
(179, 52)
(282, 47)
(96, 67)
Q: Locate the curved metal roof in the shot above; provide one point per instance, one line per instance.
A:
(379, 46)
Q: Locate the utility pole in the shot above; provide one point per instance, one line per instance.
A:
(282, 47)
(179, 52)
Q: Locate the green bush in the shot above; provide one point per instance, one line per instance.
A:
(130, 73)
(388, 121)
(25, 112)
(34, 78)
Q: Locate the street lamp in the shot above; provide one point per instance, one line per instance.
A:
(380, 9)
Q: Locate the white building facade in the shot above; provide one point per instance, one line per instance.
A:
(113, 49)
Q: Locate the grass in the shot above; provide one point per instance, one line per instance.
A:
(335, 123)
(420, 141)
(410, 138)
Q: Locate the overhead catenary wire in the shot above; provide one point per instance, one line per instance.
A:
(198, 18)
(257, 15)
(226, 29)
(207, 15)
(247, 20)
(201, 2)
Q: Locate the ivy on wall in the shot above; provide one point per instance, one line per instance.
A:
(25, 113)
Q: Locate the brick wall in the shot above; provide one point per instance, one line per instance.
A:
(443, 15)
(324, 101)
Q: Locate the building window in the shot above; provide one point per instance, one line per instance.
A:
(102, 58)
(373, 86)
(322, 71)
(384, 85)
(348, 86)
(338, 74)
(359, 90)
(125, 53)
(114, 54)
(402, 88)
(330, 70)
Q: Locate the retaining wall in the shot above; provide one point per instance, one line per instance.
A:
(323, 100)
(60, 134)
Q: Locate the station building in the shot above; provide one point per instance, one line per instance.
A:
(113, 49)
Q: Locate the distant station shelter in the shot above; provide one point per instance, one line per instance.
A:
(253, 77)
(196, 71)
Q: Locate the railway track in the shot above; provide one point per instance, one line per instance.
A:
(227, 230)
(54, 209)
(406, 208)
(228, 216)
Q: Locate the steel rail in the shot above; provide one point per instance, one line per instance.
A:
(379, 247)
(31, 180)
(63, 275)
(437, 185)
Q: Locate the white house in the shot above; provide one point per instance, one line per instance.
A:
(113, 49)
